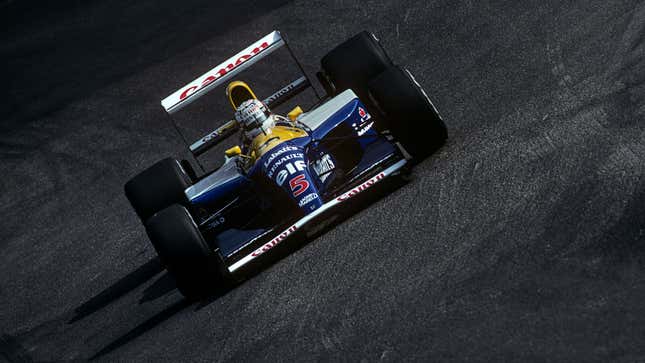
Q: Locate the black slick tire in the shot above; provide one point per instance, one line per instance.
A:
(409, 114)
(181, 247)
(354, 62)
(157, 187)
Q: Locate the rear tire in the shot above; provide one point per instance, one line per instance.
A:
(157, 187)
(409, 114)
(353, 63)
(197, 270)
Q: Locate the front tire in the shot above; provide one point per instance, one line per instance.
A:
(354, 62)
(157, 187)
(410, 115)
(197, 270)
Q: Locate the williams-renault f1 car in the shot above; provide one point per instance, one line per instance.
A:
(374, 121)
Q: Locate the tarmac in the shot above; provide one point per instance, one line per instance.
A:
(522, 239)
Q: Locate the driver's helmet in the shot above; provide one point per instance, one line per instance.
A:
(254, 117)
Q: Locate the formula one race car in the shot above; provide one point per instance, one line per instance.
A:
(286, 173)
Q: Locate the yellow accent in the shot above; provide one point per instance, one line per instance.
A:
(293, 114)
(235, 150)
(276, 136)
(236, 84)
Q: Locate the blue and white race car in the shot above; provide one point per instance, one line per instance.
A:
(287, 174)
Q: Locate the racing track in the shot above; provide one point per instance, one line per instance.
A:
(522, 239)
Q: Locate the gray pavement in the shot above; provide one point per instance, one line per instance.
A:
(523, 239)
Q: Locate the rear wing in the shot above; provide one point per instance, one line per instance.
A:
(223, 73)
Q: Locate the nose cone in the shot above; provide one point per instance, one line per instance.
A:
(287, 167)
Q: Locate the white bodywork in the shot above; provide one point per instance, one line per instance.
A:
(224, 174)
(322, 113)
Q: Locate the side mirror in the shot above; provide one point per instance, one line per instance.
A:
(293, 114)
(234, 151)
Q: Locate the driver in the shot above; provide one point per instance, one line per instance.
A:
(255, 118)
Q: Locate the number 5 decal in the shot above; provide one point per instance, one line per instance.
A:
(299, 185)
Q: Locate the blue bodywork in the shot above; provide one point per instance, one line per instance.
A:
(235, 208)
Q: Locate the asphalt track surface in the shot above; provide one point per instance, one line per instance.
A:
(521, 240)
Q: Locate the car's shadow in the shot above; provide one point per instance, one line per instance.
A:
(160, 287)
(143, 327)
(123, 286)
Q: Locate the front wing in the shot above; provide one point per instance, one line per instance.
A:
(281, 237)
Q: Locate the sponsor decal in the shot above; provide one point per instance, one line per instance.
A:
(280, 93)
(360, 188)
(214, 134)
(290, 169)
(274, 242)
(307, 198)
(211, 136)
(222, 71)
(298, 164)
(249, 111)
(217, 222)
(363, 114)
(299, 184)
(190, 89)
(364, 129)
(323, 167)
(277, 153)
(363, 126)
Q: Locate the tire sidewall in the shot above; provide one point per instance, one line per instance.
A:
(408, 112)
